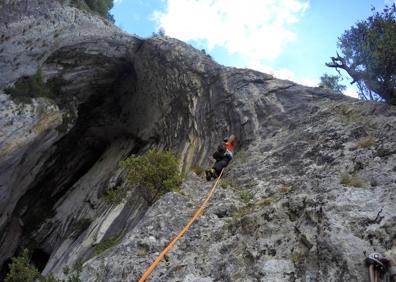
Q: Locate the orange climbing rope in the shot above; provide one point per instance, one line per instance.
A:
(197, 213)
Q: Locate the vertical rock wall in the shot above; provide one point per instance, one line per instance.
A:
(289, 209)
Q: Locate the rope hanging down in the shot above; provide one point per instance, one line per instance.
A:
(181, 233)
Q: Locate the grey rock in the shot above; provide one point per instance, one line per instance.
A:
(129, 94)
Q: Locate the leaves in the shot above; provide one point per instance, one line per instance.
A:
(157, 172)
(102, 7)
(369, 52)
(331, 82)
(21, 269)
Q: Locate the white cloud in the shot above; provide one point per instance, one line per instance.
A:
(257, 30)
(351, 91)
(309, 82)
(117, 2)
(283, 73)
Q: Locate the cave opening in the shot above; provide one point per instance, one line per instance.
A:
(39, 259)
(97, 125)
(5, 269)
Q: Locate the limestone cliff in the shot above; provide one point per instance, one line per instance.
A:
(282, 213)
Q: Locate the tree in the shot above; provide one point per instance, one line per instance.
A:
(161, 31)
(22, 270)
(332, 82)
(157, 172)
(368, 55)
(102, 7)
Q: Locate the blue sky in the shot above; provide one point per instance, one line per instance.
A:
(291, 39)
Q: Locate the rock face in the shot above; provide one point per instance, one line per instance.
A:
(308, 193)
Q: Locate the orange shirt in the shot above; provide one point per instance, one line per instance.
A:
(230, 145)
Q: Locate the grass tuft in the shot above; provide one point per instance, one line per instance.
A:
(367, 142)
(284, 188)
(115, 196)
(351, 181)
(198, 170)
(246, 196)
(107, 244)
(264, 202)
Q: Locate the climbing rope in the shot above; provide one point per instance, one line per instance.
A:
(196, 215)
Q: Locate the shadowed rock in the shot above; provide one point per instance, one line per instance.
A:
(283, 214)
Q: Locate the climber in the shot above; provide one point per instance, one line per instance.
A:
(390, 255)
(380, 266)
(223, 156)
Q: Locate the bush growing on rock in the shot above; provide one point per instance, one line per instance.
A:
(368, 52)
(246, 196)
(115, 196)
(21, 269)
(107, 244)
(367, 142)
(351, 181)
(198, 170)
(332, 82)
(156, 171)
(102, 7)
(30, 87)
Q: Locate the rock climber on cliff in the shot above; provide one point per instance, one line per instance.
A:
(223, 156)
(382, 267)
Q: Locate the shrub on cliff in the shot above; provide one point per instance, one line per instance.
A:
(332, 82)
(102, 7)
(30, 87)
(21, 269)
(368, 55)
(156, 171)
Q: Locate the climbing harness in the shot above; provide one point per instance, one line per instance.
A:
(196, 215)
(377, 267)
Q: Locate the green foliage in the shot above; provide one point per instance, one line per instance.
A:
(367, 141)
(30, 87)
(106, 244)
(351, 181)
(157, 172)
(72, 272)
(21, 269)
(246, 196)
(251, 207)
(284, 188)
(241, 212)
(101, 7)
(228, 182)
(50, 278)
(264, 202)
(160, 33)
(142, 252)
(115, 196)
(198, 170)
(80, 227)
(67, 119)
(349, 115)
(331, 82)
(369, 55)
(297, 257)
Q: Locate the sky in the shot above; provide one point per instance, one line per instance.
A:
(290, 39)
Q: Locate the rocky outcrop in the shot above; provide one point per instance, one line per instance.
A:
(288, 209)
(80, 54)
